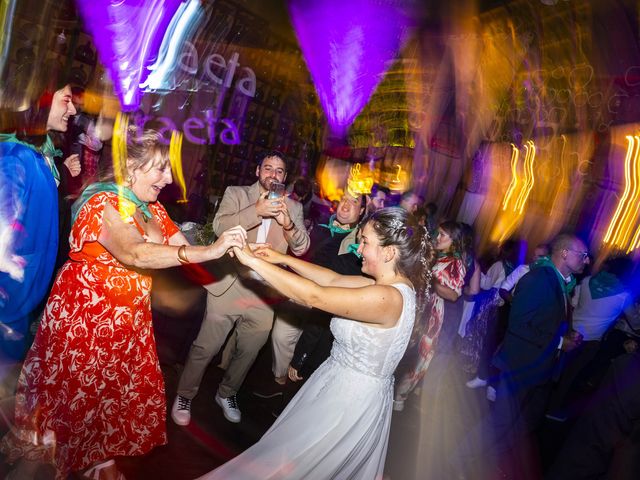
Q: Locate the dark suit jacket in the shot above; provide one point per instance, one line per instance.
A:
(537, 320)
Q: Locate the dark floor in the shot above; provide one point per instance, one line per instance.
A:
(210, 439)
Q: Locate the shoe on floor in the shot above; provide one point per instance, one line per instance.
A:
(491, 394)
(230, 408)
(398, 405)
(181, 410)
(272, 390)
(476, 382)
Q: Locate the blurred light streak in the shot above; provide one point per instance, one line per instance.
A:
(175, 157)
(562, 176)
(529, 178)
(126, 208)
(626, 211)
(347, 47)
(360, 182)
(127, 35)
(515, 153)
(631, 212)
(331, 175)
(7, 12)
(181, 27)
(511, 214)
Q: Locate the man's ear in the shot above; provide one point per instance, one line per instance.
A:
(258, 171)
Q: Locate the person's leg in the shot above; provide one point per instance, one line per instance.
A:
(284, 336)
(214, 330)
(252, 333)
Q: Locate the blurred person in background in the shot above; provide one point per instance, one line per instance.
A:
(377, 199)
(29, 213)
(448, 275)
(598, 302)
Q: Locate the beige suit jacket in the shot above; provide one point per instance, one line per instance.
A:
(238, 207)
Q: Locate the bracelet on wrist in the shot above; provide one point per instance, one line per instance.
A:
(291, 227)
(182, 255)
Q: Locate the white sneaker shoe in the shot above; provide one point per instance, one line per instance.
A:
(491, 394)
(229, 408)
(476, 382)
(398, 405)
(181, 410)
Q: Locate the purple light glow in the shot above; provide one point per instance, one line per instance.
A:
(348, 46)
(127, 35)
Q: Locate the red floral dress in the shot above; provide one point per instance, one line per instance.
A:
(91, 386)
(450, 272)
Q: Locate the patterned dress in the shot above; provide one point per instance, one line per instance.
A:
(450, 272)
(91, 386)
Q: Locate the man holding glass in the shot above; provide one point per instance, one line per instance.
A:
(239, 297)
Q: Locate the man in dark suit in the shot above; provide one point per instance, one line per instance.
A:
(537, 334)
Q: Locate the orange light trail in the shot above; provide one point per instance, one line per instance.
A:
(515, 153)
(626, 212)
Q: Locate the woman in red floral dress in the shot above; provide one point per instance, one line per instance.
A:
(448, 274)
(91, 386)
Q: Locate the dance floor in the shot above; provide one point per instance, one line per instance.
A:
(210, 439)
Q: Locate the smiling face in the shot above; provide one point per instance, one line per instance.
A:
(272, 169)
(371, 250)
(149, 179)
(61, 109)
(349, 209)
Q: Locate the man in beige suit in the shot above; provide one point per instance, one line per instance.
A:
(239, 297)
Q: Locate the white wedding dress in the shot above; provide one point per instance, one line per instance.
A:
(337, 426)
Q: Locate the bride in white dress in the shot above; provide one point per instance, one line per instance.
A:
(337, 426)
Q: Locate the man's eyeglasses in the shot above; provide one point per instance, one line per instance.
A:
(583, 255)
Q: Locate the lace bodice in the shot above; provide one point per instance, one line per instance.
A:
(370, 350)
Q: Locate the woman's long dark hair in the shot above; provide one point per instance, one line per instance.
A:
(456, 232)
(395, 226)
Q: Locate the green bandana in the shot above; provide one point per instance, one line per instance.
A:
(48, 151)
(333, 228)
(545, 261)
(353, 248)
(99, 187)
(605, 284)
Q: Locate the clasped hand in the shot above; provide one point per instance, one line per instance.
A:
(252, 251)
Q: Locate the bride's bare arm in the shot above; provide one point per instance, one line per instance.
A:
(320, 275)
(375, 304)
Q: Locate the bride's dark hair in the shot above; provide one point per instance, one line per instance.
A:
(395, 226)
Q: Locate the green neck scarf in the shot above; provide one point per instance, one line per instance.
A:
(48, 151)
(545, 261)
(121, 191)
(334, 228)
(605, 284)
(353, 248)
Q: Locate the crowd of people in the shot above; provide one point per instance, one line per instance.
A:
(348, 296)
